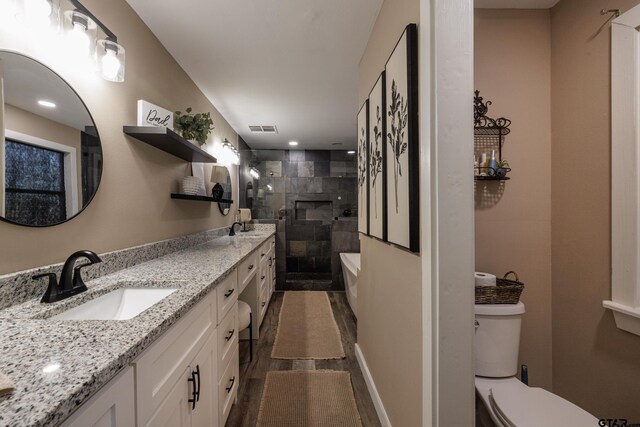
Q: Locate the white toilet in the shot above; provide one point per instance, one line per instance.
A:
(510, 402)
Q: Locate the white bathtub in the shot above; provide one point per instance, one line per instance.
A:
(350, 266)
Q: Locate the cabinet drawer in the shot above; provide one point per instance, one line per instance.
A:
(247, 269)
(162, 364)
(264, 271)
(227, 339)
(227, 295)
(228, 388)
(263, 251)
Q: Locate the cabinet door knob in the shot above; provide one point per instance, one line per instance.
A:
(262, 278)
(230, 387)
(264, 303)
(262, 254)
(251, 267)
(228, 293)
(228, 337)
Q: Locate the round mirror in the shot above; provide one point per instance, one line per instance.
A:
(50, 152)
(222, 188)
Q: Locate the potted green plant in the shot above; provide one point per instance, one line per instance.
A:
(194, 127)
(502, 167)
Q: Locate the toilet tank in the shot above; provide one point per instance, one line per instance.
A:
(497, 339)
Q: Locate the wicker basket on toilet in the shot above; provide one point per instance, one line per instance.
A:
(505, 290)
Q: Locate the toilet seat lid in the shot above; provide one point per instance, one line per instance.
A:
(523, 406)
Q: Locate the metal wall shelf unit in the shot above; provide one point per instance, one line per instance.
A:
(489, 134)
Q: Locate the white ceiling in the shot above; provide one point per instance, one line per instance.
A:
(288, 63)
(515, 4)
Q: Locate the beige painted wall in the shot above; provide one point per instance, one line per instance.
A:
(132, 205)
(19, 120)
(513, 219)
(595, 365)
(390, 304)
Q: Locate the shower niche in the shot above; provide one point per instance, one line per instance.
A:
(321, 210)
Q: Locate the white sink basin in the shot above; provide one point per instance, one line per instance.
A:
(121, 304)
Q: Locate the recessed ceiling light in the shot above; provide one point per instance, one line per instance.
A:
(293, 143)
(351, 152)
(47, 104)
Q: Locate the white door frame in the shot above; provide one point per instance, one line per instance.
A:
(446, 180)
(625, 171)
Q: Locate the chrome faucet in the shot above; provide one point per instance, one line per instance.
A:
(71, 282)
(232, 232)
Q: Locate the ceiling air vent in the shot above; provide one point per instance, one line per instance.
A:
(263, 129)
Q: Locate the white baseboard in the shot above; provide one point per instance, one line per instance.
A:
(373, 391)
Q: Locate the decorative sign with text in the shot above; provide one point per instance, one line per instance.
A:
(152, 115)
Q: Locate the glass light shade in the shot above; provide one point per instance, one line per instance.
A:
(38, 15)
(254, 173)
(111, 60)
(38, 12)
(80, 33)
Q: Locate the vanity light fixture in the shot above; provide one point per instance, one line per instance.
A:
(84, 35)
(47, 104)
(293, 143)
(269, 187)
(231, 152)
(254, 173)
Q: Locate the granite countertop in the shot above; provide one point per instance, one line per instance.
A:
(92, 352)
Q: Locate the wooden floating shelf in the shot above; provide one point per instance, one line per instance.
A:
(199, 198)
(170, 142)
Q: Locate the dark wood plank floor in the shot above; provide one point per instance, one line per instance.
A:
(252, 375)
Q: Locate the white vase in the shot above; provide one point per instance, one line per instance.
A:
(191, 185)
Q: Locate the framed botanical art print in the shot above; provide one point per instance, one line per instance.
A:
(402, 145)
(363, 171)
(377, 138)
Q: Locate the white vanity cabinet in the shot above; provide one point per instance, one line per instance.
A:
(186, 378)
(161, 368)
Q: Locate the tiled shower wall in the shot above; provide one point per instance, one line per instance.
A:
(311, 192)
